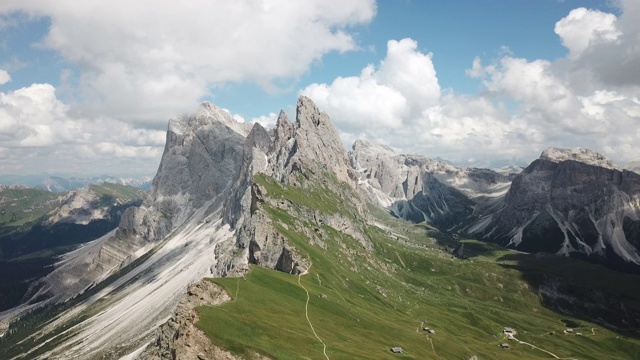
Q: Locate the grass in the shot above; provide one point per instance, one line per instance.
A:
(21, 206)
(363, 303)
(116, 194)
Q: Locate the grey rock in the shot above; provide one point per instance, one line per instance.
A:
(571, 202)
(571, 206)
(419, 188)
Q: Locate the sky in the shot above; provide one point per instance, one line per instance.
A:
(88, 87)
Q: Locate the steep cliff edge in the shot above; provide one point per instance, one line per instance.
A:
(418, 188)
(571, 202)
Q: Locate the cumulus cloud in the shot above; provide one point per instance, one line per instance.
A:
(37, 126)
(400, 103)
(526, 105)
(387, 97)
(163, 56)
(4, 77)
(584, 27)
(134, 65)
(604, 50)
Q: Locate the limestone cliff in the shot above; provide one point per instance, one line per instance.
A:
(419, 188)
(571, 202)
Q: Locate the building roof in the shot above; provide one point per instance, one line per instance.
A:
(396, 350)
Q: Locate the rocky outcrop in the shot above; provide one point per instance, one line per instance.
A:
(305, 153)
(585, 156)
(180, 339)
(419, 188)
(571, 202)
(202, 159)
(571, 205)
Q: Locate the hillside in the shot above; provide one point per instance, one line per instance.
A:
(360, 304)
(37, 226)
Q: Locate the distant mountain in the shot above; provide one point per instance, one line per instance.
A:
(55, 183)
(419, 188)
(572, 202)
(60, 184)
(36, 226)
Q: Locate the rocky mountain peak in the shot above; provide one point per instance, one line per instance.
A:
(311, 145)
(365, 147)
(318, 142)
(586, 156)
(283, 130)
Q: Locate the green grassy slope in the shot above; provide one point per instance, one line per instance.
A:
(20, 206)
(363, 303)
(111, 194)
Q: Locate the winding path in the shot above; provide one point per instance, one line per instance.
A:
(306, 314)
(541, 349)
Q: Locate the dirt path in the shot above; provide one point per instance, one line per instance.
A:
(399, 258)
(541, 349)
(433, 348)
(306, 314)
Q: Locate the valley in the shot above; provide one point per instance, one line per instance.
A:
(315, 252)
(362, 305)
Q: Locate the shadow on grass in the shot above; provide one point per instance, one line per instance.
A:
(582, 290)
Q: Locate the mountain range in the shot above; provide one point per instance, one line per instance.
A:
(231, 200)
(571, 202)
(56, 183)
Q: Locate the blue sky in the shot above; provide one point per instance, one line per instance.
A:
(454, 31)
(88, 87)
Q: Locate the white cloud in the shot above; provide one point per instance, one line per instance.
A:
(136, 64)
(36, 125)
(583, 28)
(356, 102)
(388, 97)
(148, 60)
(604, 49)
(527, 106)
(400, 103)
(267, 121)
(4, 77)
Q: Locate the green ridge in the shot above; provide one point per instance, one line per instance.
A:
(362, 304)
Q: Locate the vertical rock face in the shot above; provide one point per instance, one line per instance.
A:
(202, 159)
(418, 188)
(308, 149)
(571, 202)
